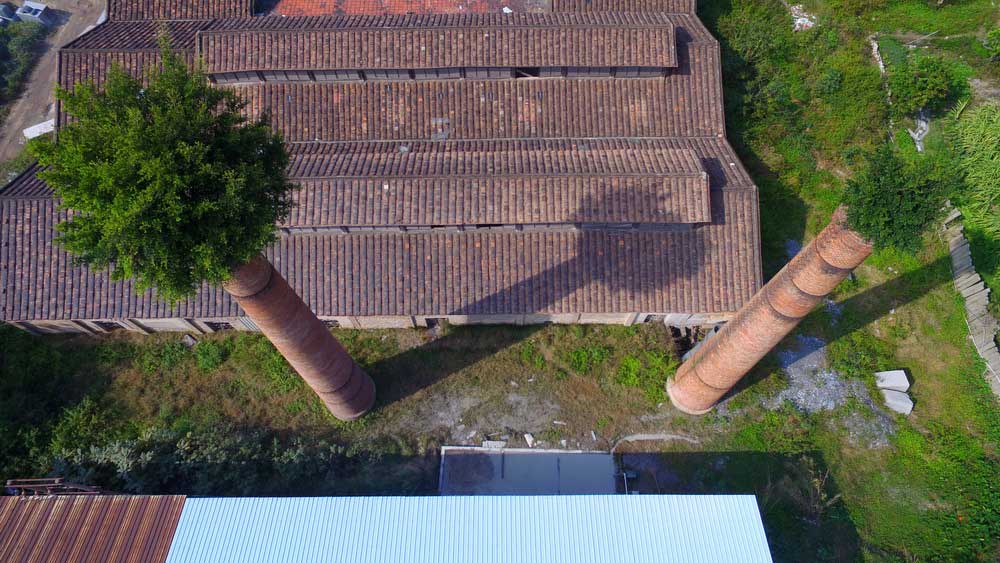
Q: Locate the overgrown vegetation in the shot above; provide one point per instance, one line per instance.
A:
(924, 82)
(892, 202)
(20, 45)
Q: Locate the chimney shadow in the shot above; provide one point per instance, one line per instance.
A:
(598, 260)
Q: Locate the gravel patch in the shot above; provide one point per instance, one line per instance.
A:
(814, 387)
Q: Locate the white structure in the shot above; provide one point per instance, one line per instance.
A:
(39, 129)
(34, 12)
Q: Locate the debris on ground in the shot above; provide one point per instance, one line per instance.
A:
(189, 341)
(802, 20)
(923, 128)
(529, 439)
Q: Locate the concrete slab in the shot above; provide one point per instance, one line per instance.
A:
(479, 471)
(894, 379)
(898, 401)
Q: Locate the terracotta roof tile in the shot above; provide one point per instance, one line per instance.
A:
(683, 104)
(440, 41)
(133, 10)
(375, 7)
(709, 269)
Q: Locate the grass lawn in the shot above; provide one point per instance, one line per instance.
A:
(846, 482)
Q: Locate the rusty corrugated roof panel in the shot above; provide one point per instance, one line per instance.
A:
(440, 41)
(98, 529)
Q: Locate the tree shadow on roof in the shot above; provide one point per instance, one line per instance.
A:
(599, 261)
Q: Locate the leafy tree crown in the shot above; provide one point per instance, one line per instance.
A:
(892, 201)
(167, 183)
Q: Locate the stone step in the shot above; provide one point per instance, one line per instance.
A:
(955, 214)
(961, 253)
(965, 280)
(960, 263)
(973, 289)
(963, 270)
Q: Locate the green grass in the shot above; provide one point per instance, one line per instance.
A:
(964, 16)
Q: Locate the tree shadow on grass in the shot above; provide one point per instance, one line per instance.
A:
(804, 516)
(858, 311)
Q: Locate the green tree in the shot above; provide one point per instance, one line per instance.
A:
(891, 201)
(888, 203)
(924, 82)
(169, 184)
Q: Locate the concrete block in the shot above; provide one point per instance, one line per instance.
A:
(966, 280)
(897, 401)
(894, 379)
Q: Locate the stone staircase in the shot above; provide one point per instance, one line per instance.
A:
(983, 325)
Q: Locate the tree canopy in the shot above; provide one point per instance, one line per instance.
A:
(924, 81)
(891, 201)
(167, 182)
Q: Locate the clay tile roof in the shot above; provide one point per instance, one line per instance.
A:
(440, 41)
(709, 269)
(479, 196)
(519, 186)
(138, 10)
(680, 105)
(105, 529)
(665, 6)
(375, 7)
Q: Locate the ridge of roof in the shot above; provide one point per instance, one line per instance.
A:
(439, 21)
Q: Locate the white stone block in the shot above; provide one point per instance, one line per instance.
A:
(894, 379)
(898, 401)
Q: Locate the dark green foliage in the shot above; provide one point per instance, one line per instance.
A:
(648, 373)
(210, 354)
(993, 44)
(584, 359)
(20, 45)
(976, 138)
(161, 358)
(925, 82)
(859, 355)
(172, 185)
(891, 201)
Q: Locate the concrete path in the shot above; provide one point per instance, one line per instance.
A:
(983, 325)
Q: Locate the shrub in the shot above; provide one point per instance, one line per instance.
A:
(891, 201)
(584, 359)
(210, 354)
(19, 48)
(161, 358)
(649, 374)
(924, 82)
(993, 44)
(859, 355)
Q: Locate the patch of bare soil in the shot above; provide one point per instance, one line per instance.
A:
(37, 102)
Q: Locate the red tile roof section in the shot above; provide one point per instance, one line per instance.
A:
(98, 529)
(139, 10)
(688, 103)
(376, 7)
(417, 42)
(709, 269)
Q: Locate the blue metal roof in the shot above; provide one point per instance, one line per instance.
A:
(597, 528)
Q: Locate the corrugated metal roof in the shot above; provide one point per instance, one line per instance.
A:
(608, 528)
(101, 529)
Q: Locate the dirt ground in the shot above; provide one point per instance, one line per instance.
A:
(37, 103)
